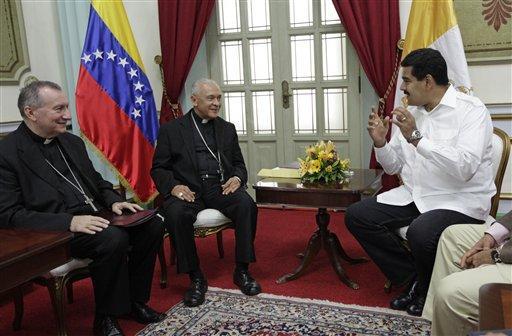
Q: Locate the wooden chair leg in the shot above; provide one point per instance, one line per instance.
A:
(18, 308)
(172, 252)
(163, 267)
(220, 244)
(69, 292)
(56, 289)
(387, 286)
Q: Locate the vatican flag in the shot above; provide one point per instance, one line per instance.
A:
(432, 24)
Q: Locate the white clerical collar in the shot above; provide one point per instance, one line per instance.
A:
(47, 141)
(203, 121)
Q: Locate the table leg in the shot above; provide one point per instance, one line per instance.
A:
(330, 242)
(314, 244)
(330, 245)
(344, 254)
(18, 308)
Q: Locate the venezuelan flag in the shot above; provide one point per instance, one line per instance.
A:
(114, 100)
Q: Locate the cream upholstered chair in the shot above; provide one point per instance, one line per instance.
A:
(62, 278)
(500, 154)
(208, 222)
(57, 280)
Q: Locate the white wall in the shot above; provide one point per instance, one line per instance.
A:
(492, 83)
(44, 47)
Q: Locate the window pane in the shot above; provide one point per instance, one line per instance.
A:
(261, 61)
(234, 109)
(303, 58)
(334, 56)
(263, 111)
(232, 62)
(259, 18)
(329, 14)
(335, 101)
(229, 16)
(304, 111)
(301, 13)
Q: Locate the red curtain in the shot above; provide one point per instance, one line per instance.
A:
(182, 26)
(373, 27)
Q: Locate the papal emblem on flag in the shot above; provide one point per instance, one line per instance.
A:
(114, 101)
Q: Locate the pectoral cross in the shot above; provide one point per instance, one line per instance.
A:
(88, 200)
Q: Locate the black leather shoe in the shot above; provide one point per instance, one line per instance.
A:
(194, 296)
(416, 307)
(402, 301)
(144, 314)
(246, 283)
(107, 326)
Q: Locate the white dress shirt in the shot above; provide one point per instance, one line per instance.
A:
(451, 168)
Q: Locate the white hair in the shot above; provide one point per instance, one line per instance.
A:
(196, 87)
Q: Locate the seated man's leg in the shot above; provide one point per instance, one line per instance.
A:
(423, 236)
(241, 209)
(145, 241)
(109, 269)
(179, 220)
(453, 243)
(455, 310)
(373, 225)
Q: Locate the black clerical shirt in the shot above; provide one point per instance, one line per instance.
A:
(207, 164)
(74, 200)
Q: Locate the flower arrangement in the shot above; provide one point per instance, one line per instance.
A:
(322, 164)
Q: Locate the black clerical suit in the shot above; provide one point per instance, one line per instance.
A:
(181, 158)
(34, 196)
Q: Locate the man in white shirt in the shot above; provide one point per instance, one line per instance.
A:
(441, 148)
(468, 256)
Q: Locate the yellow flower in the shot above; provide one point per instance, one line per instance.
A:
(310, 150)
(322, 155)
(321, 145)
(329, 147)
(322, 163)
(314, 166)
(303, 167)
(344, 164)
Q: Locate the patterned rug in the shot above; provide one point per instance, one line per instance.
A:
(228, 312)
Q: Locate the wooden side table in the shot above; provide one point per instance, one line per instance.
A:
(291, 192)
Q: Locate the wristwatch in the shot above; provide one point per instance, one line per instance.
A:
(495, 256)
(416, 135)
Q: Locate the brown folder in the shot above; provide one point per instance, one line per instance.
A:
(129, 219)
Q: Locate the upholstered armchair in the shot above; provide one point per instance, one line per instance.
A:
(209, 222)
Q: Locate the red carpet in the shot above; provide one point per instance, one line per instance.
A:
(281, 235)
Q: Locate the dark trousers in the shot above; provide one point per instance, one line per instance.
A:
(374, 224)
(181, 215)
(123, 264)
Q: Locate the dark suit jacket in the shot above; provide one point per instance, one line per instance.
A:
(29, 194)
(175, 160)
